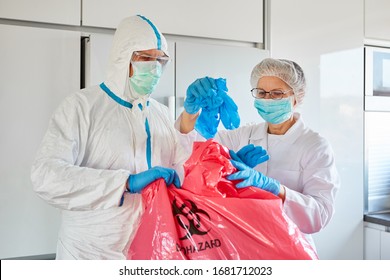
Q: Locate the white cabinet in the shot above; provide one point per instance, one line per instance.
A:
(372, 244)
(218, 19)
(385, 245)
(377, 19)
(376, 242)
(38, 68)
(50, 11)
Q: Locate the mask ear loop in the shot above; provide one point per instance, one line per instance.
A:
(295, 101)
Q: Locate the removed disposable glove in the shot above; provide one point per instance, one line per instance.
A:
(207, 123)
(250, 155)
(228, 109)
(253, 178)
(137, 182)
(202, 94)
(210, 95)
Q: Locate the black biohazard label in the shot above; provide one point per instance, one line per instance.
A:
(190, 217)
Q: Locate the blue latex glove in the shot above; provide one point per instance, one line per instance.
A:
(253, 178)
(137, 182)
(250, 155)
(207, 123)
(202, 94)
(210, 95)
(228, 109)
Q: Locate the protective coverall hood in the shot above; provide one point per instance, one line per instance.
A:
(133, 34)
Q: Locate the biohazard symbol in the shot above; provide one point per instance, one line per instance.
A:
(189, 218)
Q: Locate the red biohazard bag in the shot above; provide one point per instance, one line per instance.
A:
(210, 219)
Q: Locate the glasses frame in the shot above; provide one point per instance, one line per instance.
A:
(254, 90)
(163, 60)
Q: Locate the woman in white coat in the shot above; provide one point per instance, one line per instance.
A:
(104, 144)
(281, 155)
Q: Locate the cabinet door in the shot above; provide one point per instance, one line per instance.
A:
(377, 19)
(51, 11)
(39, 68)
(385, 245)
(220, 19)
(235, 64)
(372, 244)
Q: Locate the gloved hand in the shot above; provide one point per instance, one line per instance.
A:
(202, 94)
(250, 155)
(253, 178)
(137, 182)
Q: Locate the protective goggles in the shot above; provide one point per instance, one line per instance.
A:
(138, 56)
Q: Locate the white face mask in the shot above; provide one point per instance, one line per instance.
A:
(146, 75)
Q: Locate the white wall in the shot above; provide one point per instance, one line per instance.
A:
(326, 39)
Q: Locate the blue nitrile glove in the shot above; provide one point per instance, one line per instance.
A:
(210, 95)
(253, 178)
(250, 155)
(201, 94)
(137, 182)
(207, 123)
(228, 109)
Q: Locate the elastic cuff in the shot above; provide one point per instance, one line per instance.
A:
(278, 186)
(129, 184)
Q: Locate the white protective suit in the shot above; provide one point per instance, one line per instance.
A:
(95, 140)
(301, 159)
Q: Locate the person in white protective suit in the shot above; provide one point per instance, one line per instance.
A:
(104, 144)
(281, 155)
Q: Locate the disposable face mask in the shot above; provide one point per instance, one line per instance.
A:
(146, 75)
(275, 111)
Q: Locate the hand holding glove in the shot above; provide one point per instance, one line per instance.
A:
(211, 96)
(202, 94)
(250, 155)
(253, 178)
(137, 182)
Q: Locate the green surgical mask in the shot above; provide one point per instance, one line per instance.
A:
(146, 75)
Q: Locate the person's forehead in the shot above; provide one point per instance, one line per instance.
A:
(272, 80)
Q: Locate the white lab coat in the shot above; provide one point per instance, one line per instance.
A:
(301, 159)
(93, 143)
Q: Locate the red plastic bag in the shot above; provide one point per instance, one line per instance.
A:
(208, 218)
